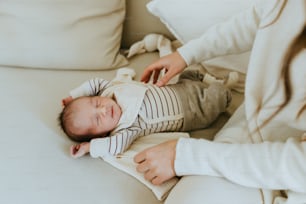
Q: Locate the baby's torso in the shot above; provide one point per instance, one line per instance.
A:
(161, 111)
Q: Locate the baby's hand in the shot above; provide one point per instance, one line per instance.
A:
(66, 100)
(79, 150)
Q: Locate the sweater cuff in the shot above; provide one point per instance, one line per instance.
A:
(99, 148)
(193, 157)
(184, 163)
(185, 54)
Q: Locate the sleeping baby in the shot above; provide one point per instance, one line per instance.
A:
(105, 117)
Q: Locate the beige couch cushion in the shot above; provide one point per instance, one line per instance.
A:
(36, 166)
(139, 22)
(66, 34)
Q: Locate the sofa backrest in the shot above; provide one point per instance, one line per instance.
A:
(139, 22)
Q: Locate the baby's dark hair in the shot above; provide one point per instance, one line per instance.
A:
(64, 120)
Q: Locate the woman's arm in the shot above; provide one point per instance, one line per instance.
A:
(269, 165)
(233, 36)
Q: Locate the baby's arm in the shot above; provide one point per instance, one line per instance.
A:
(101, 147)
(115, 144)
(92, 87)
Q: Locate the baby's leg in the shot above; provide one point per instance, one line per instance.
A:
(221, 94)
(203, 105)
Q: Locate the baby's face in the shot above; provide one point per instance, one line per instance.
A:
(95, 115)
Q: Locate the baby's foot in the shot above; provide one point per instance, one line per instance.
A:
(230, 82)
(224, 94)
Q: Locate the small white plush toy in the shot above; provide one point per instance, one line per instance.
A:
(124, 75)
(151, 43)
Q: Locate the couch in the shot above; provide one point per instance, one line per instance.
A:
(46, 50)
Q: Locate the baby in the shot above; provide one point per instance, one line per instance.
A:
(106, 117)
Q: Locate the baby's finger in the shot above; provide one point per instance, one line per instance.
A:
(74, 149)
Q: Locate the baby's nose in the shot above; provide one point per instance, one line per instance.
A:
(102, 110)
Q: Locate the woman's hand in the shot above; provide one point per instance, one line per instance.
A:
(67, 100)
(79, 150)
(172, 63)
(157, 163)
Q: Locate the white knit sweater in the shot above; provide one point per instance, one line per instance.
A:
(277, 160)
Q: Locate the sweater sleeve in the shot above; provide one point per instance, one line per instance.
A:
(269, 165)
(230, 37)
(92, 87)
(115, 144)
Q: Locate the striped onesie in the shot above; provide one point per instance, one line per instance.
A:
(188, 105)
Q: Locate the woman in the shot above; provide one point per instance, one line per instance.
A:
(260, 154)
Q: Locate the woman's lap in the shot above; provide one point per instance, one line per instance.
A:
(212, 190)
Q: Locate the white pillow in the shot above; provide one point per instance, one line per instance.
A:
(189, 19)
(62, 34)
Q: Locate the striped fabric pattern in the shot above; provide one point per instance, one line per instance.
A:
(161, 111)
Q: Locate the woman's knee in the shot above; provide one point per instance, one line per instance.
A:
(211, 190)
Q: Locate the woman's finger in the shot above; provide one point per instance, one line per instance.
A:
(143, 167)
(165, 79)
(140, 157)
(156, 76)
(157, 180)
(150, 175)
(151, 69)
